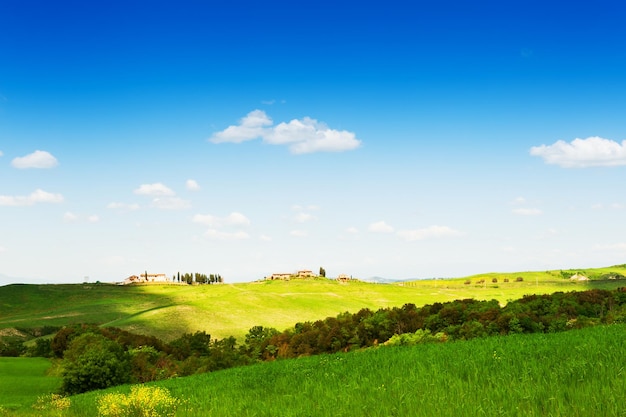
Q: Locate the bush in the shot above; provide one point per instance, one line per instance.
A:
(94, 362)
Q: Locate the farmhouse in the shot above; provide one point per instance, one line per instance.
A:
(303, 273)
(143, 278)
(280, 275)
(343, 277)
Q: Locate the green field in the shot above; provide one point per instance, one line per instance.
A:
(571, 374)
(167, 311)
(22, 380)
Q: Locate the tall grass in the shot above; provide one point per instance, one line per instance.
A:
(575, 373)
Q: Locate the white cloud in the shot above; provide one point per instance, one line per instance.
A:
(171, 203)
(192, 185)
(2, 248)
(1, 153)
(581, 153)
(37, 159)
(250, 127)
(431, 232)
(352, 230)
(239, 219)
(380, 227)
(220, 235)
(37, 196)
(69, 217)
(519, 200)
(304, 217)
(527, 212)
(265, 238)
(156, 189)
(299, 233)
(304, 135)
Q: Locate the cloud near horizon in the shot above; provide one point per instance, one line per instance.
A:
(37, 196)
(156, 190)
(380, 227)
(583, 153)
(302, 136)
(38, 159)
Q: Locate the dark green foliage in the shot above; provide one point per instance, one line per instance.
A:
(42, 349)
(94, 362)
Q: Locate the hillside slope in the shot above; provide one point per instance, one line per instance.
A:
(167, 311)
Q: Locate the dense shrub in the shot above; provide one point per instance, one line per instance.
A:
(94, 362)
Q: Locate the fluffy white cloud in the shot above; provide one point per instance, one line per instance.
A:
(527, 212)
(37, 196)
(250, 127)
(94, 218)
(37, 159)
(1, 153)
(171, 203)
(156, 189)
(233, 219)
(2, 248)
(305, 135)
(304, 217)
(192, 185)
(581, 153)
(431, 232)
(380, 227)
(221, 235)
(299, 233)
(69, 217)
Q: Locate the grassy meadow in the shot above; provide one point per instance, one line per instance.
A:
(571, 374)
(167, 311)
(23, 380)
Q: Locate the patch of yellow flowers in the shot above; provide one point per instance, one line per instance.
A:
(54, 403)
(142, 401)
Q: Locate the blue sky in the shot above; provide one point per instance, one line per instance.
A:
(398, 139)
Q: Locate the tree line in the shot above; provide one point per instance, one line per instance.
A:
(94, 357)
(197, 278)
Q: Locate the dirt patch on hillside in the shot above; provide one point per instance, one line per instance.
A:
(11, 332)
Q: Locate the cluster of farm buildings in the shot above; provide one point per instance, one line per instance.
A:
(304, 273)
(162, 278)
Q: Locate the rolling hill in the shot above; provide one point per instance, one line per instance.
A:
(167, 311)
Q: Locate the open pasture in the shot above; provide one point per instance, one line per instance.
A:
(167, 311)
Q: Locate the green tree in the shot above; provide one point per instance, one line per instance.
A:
(94, 362)
(322, 272)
